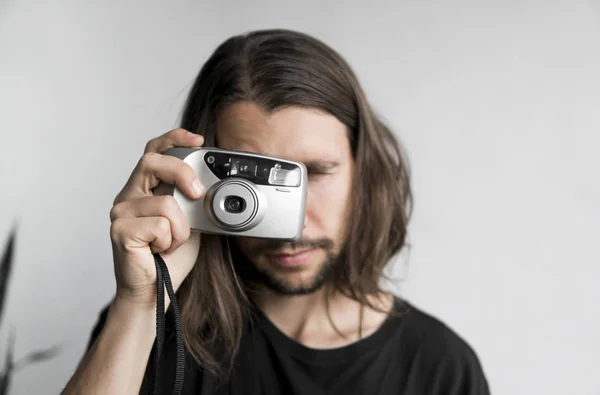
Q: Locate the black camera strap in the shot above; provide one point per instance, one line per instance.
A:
(164, 280)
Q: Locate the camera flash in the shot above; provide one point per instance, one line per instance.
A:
(288, 178)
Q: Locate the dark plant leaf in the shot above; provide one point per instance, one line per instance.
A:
(6, 263)
(37, 356)
(6, 375)
(4, 383)
(6, 268)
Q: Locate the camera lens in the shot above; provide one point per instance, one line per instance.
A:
(235, 204)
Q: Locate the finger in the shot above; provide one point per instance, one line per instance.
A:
(141, 232)
(174, 138)
(156, 206)
(154, 168)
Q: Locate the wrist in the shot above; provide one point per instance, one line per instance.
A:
(141, 299)
(125, 306)
(142, 303)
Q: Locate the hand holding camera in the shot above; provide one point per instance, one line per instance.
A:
(142, 223)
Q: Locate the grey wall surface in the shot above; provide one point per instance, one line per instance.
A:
(498, 104)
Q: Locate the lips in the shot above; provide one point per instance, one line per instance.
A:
(292, 259)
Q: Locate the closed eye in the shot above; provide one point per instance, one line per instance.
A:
(314, 176)
(321, 167)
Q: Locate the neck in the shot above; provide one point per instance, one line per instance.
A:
(320, 322)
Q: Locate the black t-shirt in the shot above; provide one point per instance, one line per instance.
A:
(411, 354)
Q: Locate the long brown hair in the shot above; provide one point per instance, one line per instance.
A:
(274, 69)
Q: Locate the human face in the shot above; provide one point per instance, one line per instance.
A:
(320, 141)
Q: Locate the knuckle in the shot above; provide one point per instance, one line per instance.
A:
(116, 211)
(167, 204)
(185, 172)
(147, 159)
(149, 146)
(116, 230)
(171, 204)
(116, 200)
(163, 226)
(182, 230)
(185, 233)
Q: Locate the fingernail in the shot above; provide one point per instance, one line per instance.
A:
(198, 188)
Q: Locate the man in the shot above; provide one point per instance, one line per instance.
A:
(269, 317)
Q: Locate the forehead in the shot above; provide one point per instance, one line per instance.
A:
(293, 133)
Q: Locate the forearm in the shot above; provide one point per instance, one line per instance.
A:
(116, 363)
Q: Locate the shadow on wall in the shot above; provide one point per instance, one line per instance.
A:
(10, 365)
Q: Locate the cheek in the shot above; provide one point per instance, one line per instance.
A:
(327, 204)
(245, 244)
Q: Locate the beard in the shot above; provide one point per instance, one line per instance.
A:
(278, 282)
(281, 285)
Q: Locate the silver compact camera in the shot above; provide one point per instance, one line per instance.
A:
(247, 194)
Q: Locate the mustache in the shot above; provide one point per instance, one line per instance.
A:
(273, 246)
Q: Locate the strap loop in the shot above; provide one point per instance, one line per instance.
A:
(164, 280)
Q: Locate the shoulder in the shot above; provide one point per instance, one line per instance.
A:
(438, 355)
(429, 334)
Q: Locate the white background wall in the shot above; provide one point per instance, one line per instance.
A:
(497, 102)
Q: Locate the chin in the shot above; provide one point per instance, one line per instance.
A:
(300, 279)
(284, 285)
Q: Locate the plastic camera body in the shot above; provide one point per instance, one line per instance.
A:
(247, 194)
